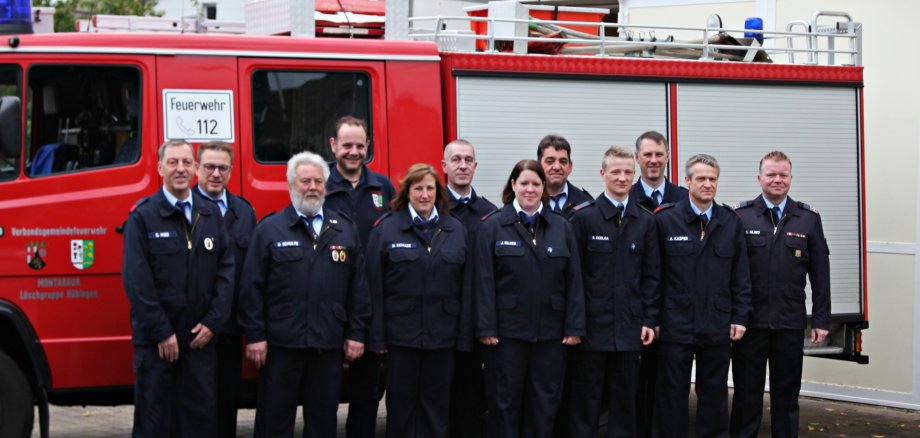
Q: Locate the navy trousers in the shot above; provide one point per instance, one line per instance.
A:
(675, 363)
(293, 376)
(783, 350)
(526, 381)
(418, 392)
(174, 399)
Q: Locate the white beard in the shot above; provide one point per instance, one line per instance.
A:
(304, 206)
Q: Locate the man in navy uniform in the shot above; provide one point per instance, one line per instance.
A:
(706, 303)
(467, 398)
(304, 303)
(652, 190)
(215, 161)
(178, 273)
(459, 167)
(618, 247)
(364, 196)
(555, 156)
(785, 243)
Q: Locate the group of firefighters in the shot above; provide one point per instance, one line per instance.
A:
(544, 307)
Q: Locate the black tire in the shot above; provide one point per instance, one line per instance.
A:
(17, 406)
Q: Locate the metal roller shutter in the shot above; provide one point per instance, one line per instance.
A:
(816, 127)
(505, 118)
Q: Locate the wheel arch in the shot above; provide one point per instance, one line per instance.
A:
(19, 341)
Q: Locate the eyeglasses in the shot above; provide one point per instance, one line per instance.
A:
(223, 168)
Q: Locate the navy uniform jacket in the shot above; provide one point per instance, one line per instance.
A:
(422, 289)
(240, 220)
(575, 197)
(780, 261)
(364, 203)
(171, 287)
(471, 213)
(621, 268)
(706, 285)
(672, 195)
(295, 296)
(526, 291)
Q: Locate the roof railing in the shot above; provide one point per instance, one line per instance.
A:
(818, 42)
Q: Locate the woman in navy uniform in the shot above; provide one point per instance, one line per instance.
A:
(529, 305)
(418, 285)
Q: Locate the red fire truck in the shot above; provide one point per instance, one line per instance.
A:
(81, 116)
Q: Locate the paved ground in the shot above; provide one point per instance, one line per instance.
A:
(819, 418)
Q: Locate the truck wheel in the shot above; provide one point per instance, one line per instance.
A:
(17, 407)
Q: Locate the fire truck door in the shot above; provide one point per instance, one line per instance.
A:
(292, 105)
(199, 102)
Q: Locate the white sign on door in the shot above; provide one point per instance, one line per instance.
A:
(198, 115)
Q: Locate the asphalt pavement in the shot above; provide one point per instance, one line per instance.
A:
(819, 418)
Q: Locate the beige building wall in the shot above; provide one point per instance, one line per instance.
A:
(892, 135)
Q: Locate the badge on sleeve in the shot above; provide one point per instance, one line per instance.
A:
(798, 253)
(377, 199)
(209, 243)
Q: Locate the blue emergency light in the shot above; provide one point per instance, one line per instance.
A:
(15, 16)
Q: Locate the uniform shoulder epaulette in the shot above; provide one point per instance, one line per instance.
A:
(381, 218)
(245, 201)
(663, 207)
(270, 214)
(489, 214)
(139, 203)
(345, 216)
(582, 205)
(731, 209)
(644, 208)
(742, 204)
(805, 206)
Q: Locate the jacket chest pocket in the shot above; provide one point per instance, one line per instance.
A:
(557, 258)
(164, 254)
(601, 246)
(755, 241)
(798, 247)
(509, 251)
(725, 250)
(242, 241)
(403, 255)
(165, 246)
(679, 249)
(288, 254)
(636, 249)
(453, 257)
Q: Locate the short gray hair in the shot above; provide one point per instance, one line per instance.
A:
(457, 142)
(303, 158)
(708, 160)
(172, 143)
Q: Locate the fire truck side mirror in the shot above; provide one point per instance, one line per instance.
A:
(10, 126)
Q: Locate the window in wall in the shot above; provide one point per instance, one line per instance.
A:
(296, 111)
(209, 11)
(82, 118)
(10, 121)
